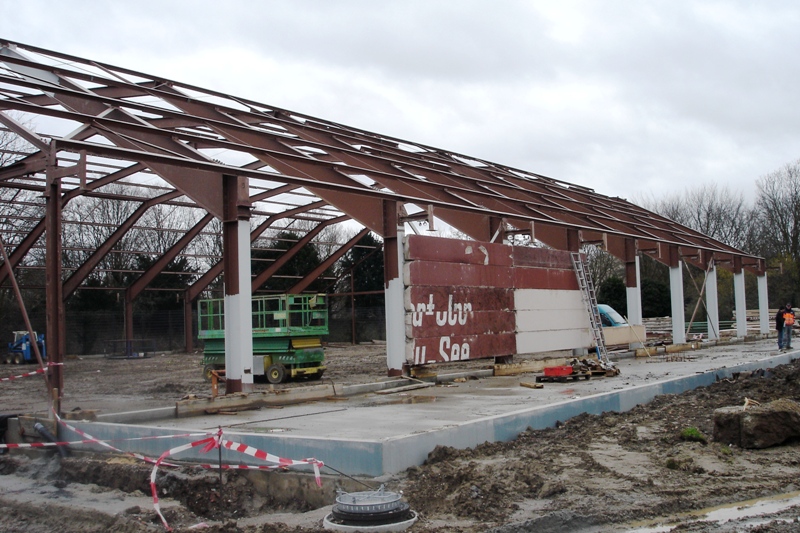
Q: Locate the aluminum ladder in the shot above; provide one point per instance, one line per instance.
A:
(590, 301)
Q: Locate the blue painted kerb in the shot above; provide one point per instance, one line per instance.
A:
(394, 454)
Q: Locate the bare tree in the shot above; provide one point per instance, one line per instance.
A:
(19, 208)
(712, 210)
(92, 222)
(778, 206)
(12, 146)
(602, 265)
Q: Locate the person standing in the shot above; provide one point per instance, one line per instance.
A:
(788, 322)
(779, 327)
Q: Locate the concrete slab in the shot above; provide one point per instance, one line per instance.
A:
(373, 435)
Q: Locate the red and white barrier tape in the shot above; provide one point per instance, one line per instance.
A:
(95, 441)
(209, 443)
(281, 462)
(29, 374)
(106, 444)
(215, 442)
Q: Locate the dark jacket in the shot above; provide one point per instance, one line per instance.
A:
(779, 320)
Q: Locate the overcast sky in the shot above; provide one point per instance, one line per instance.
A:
(632, 98)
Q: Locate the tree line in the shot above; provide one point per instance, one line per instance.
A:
(767, 226)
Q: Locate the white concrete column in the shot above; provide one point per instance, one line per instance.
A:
(763, 304)
(634, 296)
(238, 315)
(741, 304)
(395, 314)
(676, 298)
(712, 304)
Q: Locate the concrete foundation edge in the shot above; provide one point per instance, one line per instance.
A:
(375, 458)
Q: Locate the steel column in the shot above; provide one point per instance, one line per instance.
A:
(54, 336)
(128, 323)
(712, 302)
(676, 294)
(763, 304)
(188, 337)
(633, 283)
(238, 302)
(740, 301)
(395, 307)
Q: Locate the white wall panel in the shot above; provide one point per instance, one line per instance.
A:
(546, 341)
(532, 299)
(557, 319)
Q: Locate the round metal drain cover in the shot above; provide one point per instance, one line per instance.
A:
(398, 514)
(370, 508)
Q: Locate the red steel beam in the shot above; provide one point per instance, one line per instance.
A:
(317, 272)
(262, 277)
(86, 268)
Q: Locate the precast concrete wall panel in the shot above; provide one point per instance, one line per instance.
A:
(458, 251)
(472, 300)
(540, 278)
(445, 274)
(532, 342)
(464, 310)
(448, 348)
(542, 258)
(549, 320)
(420, 298)
(531, 299)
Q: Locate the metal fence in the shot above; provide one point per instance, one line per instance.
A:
(93, 332)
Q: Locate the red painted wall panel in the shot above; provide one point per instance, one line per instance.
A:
(541, 257)
(460, 295)
(541, 278)
(481, 322)
(455, 348)
(480, 298)
(457, 251)
(455, 274)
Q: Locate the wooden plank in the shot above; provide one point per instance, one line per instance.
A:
(531, 385)
(526, 367)
(415, 386)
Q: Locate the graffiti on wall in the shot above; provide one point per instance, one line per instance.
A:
(460, 296)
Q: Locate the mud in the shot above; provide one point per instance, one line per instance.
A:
(614, 472)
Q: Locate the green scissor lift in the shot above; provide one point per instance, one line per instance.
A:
(287, 335)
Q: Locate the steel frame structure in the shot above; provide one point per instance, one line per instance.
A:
(234, 158)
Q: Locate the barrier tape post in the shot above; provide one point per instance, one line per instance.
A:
(208, 443)
(29, 374)
(216, 441)
(221, 496)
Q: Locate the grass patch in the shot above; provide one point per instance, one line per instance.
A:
(692, 434)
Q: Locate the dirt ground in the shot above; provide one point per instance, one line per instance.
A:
(615, 472)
